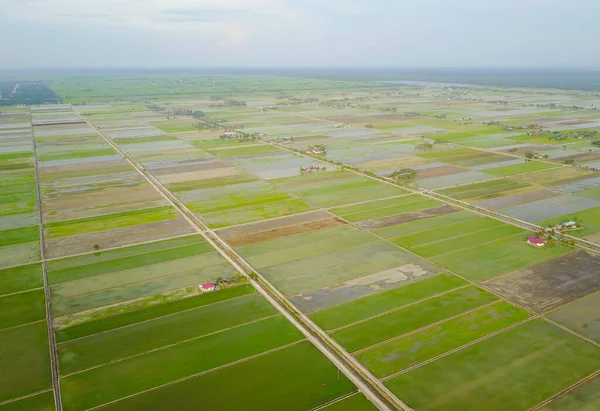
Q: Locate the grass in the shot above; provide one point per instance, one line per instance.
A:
(514, 370)
(337, 267)
(113, 381)
(356, 402)
(24, 352)
(128, 263)
(420, 204)
(410, 318)
(245, 151)
(527, 167)
(466, 241)
(122, 342)
(177, 128)
(77, 154)
(109, 221)
(149, 313)
(441, 233)
(243, 215)
(19, 235)
(369, 306)
(22, 278)
(488, 260)
(296, 379)
(583, 398)
(84, 296)
(581, 316)
(424, 224)
(349, 237)
(39, 402)
(22, 308)
(397, 355)
(487, 189)
(57, 266)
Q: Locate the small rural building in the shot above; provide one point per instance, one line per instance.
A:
(566, 225)
(207, 287)
(536, 241)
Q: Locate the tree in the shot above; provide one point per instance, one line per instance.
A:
(404, 174)
(529, 155)
(96, 247)
(569, 161)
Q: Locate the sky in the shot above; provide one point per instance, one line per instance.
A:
(299, 33)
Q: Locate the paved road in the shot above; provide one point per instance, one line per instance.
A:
(370, 386)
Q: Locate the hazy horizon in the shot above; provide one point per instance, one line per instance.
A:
(62, 34)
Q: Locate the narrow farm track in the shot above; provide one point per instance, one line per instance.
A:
(373, 389)
(47, 294)
(579, 242)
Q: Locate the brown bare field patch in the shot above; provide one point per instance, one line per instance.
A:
(516, 199)
(83, 169)
(407, 217)
(109, 209)
(273, 224)
(392, 163)
(61, 247)
(286, 231)
(575, 122)
(439, 171)
(581, 158)
(185, 166)
(199, 175)
(101, 198)
(544, 286)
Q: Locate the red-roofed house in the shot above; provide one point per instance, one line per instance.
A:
(536, 241)
(207, 287)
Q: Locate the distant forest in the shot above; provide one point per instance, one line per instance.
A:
(567, 79)
(14, 92)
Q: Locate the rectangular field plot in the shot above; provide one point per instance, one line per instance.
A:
(148, 312)
(496, 257)
(456, 236)
(356, 402)
(396, 355)
(301, 378)
(120, 343)
(507, 371)
(105, 278)
(336, 188)
(385, 208)
(113, 381)
(414, 222)
(488, 189)
(24, 360)
(389, 325)
(582, 316)
(39, 402)
(363, 308)
(22, 308)
(547, 285)
(586, 397)
(17, 279)
(241, 203)
(519, 168)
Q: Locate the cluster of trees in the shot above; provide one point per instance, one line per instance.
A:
(14, 93)
(404, 174)
(210, 123)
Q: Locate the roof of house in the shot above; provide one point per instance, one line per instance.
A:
(568, 223)
(534, 239)
(208, 285)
